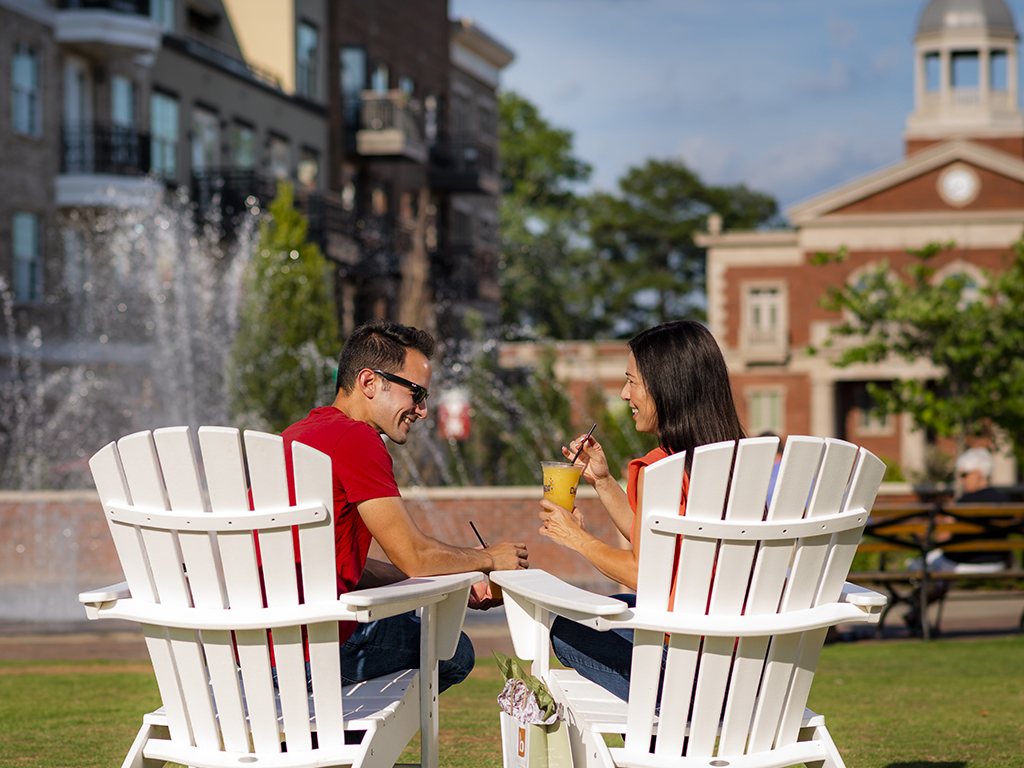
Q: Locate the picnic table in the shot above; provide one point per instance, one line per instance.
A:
(916, 530)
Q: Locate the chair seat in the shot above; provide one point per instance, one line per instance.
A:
(368, 705)
(596, 710)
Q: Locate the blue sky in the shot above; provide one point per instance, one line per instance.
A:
(791, 97)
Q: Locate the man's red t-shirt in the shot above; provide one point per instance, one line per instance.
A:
(362, 470)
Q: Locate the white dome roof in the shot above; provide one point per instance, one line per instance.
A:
(992, 15)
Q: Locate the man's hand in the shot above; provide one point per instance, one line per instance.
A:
(483, 596)
(509, 556)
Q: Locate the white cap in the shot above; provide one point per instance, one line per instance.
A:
(976, 458)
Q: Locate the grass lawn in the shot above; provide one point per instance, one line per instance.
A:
(944, 704)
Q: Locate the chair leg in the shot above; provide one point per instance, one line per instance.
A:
(428, 688)
(820, 733)
(135, 758)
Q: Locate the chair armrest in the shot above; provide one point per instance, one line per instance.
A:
(106, 594)
(403, 596)
(552, 594)
(531, 597)
(95, 598)
(862, 597)
(447, 596)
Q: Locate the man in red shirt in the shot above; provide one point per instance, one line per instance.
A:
(383, 377)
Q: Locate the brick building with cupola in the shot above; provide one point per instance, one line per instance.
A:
(961, 180)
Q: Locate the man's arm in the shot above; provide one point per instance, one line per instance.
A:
(416, 554)
(377, 573)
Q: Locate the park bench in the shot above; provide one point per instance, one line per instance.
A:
(897, 533)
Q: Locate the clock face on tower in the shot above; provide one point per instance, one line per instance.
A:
(959, 185)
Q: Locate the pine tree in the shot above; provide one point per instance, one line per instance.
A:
(285, 353)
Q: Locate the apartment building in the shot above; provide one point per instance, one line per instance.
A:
(118, 114)
(961, 179)
(414, 156)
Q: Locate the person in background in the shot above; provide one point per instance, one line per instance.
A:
(677, 386)
(974, 476)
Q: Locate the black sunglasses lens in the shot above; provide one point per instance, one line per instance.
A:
(419, 395)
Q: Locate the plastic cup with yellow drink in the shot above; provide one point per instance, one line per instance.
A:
(560, 482)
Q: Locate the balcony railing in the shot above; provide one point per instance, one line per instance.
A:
(327, 215)
(390, 125)
(116, 150)
(464, 163)
(215, 52)
(135, 7)
(222, 192)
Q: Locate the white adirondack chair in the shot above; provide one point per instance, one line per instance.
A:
(756, 591)
(189, 556)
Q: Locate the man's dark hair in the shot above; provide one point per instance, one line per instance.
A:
(685, 374)
(379, 344)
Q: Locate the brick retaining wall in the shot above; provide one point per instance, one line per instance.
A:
(54, 545)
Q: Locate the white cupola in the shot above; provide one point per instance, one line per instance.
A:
(965, 74)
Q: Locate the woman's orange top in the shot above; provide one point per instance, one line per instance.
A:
(632, 483)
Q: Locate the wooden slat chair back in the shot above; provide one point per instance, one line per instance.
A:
(215, 613)
(739, 617)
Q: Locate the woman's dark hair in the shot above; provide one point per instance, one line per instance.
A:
(379, 344)
(685, 375)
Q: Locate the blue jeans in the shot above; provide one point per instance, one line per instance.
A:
(390, 645)
(601, 657)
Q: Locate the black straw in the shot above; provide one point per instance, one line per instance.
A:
(481, 538)
(582, 443)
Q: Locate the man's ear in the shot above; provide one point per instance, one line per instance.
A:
(365, 383)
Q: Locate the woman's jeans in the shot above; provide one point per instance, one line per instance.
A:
(601, 657)
(390, 645)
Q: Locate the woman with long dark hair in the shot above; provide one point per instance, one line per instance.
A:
(677, 386)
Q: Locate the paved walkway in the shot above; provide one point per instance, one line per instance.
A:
(967, 614)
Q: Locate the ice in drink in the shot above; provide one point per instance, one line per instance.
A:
(560, 481)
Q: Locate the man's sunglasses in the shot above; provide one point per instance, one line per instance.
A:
(419, 394)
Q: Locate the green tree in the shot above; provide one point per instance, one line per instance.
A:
(643, 237)
(285, 351)
(974, 334)
(544, 262)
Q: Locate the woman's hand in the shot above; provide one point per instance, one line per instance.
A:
(591, 458)
(562, 526)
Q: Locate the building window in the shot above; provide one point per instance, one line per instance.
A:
(279, 158)
(932, 72)
(488, 121)
(25, 101)
(407, 85)
(164, 135)
(964, 69)
(430, 119)
(765, 324)
(28, 266)
(309, 169)
(869, 421)
(353, 82)
(162, 12)
(307, 41)
(205, 139)
(462, 228)
(243, 146)
(123, 148)
(764, 412)
(998, 71)
(379, 79)
(122, 102)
